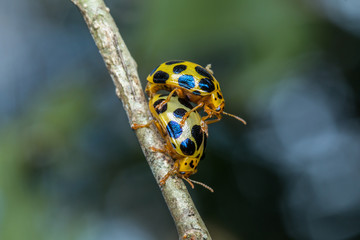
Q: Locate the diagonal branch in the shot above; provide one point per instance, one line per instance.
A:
(123, 71)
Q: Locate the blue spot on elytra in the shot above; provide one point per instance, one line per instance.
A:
(174, 129)
(187, 81)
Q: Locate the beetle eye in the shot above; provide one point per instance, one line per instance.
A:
(182, 173)
(218, 109)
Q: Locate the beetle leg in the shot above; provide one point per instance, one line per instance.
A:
(212, 121)
(162, 133)
(158, 150)
(135, 126)
(160, 106)
(172, 172)
(182, 122)
(204, 127)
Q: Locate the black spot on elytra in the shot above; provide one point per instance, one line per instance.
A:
(173, 62)
(152, 72)
(179, 68)
(206, 85)
(160, 77)
(187, 147)
(197, 134)
(219, 95)
(179, 112)
(192, 164)
(185, 103)
(202, 71)
(163, 109)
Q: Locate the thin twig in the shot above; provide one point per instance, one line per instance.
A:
(123, 71)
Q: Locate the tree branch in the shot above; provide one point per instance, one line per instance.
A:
(123, 71)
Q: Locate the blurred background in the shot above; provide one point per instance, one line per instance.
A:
(71, 167)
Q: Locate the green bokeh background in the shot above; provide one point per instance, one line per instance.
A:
(71, 167)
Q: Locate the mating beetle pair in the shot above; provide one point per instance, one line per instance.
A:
(184, 130)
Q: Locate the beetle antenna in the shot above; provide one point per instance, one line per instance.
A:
(208, 67)
(238, 118)
(189, 181)
(200, 183)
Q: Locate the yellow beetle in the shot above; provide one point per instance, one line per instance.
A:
(185, 144)
(191, 81)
